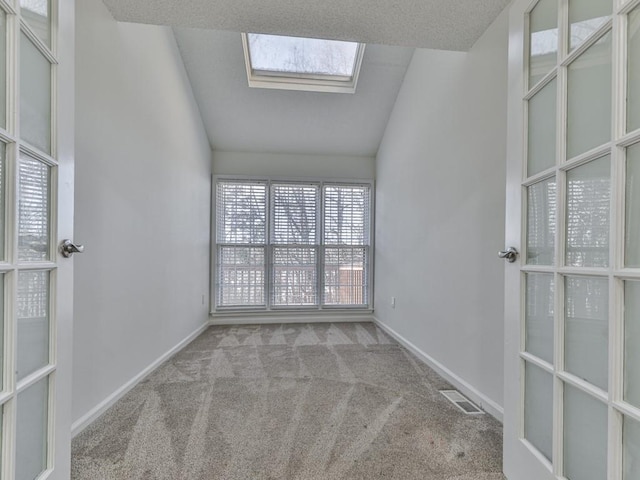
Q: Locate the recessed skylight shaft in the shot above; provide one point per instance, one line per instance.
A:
(296, 63)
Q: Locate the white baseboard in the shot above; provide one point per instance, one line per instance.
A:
(87, 419)
(467, 389)
(262, 319)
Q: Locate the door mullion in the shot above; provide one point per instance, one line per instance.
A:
(11, 246)
(560, 245)
(617, 229)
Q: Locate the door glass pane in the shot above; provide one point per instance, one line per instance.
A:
(37, 14)
(632, 228)
(543, 40)
(541, 142)
(589, 99)
(541, 222)
(3, 69)
(587, 329)
(585, 436)
(633, 66)
(294, 276)
(31, 431)
(33, 322)
(3, 169)
(539, 315)
(35, 96)
(588, 204)
(33, 216)
(538, 409)
(585, 18)
(631, 449)
(632, 343)
(1, 335)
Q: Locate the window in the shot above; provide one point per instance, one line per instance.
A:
(292, 244)
(297, 63)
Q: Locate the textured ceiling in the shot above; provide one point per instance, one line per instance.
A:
(239, 118)
(441, 24)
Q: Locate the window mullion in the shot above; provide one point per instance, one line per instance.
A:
(320, 247)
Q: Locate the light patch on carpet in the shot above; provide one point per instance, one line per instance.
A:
(150, 454)
(364, 337)
(362, 442)
(219, 366)
(229, 341)
(277, 338)
(318, 457)
(288, 439)
(306, 337)
(335, 336)
(195, 452)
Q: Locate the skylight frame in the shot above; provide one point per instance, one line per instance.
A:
(302, 81)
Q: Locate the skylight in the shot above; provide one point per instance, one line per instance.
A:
(296, 63)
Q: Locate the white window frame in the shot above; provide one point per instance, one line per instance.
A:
(319, 246)
(302, 81)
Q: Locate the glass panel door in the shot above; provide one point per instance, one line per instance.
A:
(34, 386)
(572, 391)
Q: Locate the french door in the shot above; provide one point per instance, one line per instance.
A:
(572, 352)
(36, 212)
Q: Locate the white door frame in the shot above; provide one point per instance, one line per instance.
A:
(65, 134)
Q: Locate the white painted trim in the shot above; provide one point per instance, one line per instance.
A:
(475, 395)
(88, 418)
(263, 319)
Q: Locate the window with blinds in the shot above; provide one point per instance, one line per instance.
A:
(241, 238)
(346, 244)
(292, 244)
(294, 217)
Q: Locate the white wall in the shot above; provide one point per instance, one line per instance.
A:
(143, 166)
(290, 165)
(440, 212)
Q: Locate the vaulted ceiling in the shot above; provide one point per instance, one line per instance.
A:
(441, 24)
(239, 118)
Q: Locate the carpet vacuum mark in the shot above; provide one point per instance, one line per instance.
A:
(303, 402)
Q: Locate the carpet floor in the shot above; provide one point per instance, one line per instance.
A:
(304, 402)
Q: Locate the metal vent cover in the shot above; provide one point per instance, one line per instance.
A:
(462, 402)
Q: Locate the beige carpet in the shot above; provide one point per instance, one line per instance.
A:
(320, 401)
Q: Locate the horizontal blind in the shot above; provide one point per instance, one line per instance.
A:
(241, 276)
(294, 210)
(241, 212)
(274, 234)
(346, 214)
(346, 276)
(241, 226)
(33, 216)
(295, 273)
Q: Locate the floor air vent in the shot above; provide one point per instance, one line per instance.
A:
(462, 402)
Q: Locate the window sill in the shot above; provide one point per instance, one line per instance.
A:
(248, 317)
